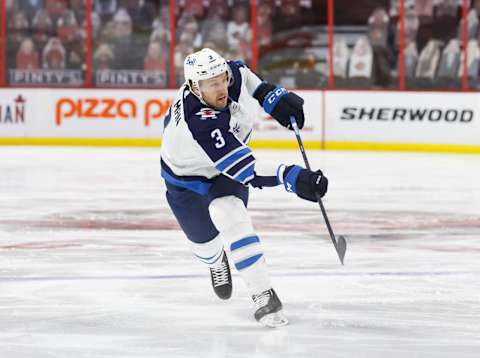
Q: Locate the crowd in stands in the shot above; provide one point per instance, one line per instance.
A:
(51, 35)
(130, 35)
(292, 41)
(223, 26)
(45, 34)
(433, 45)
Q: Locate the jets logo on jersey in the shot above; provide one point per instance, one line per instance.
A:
(207, 113)
(236, 128)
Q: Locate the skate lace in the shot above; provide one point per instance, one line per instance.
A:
(220, 275)
(261, 299)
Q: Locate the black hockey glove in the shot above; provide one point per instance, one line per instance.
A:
(305, 183)
(280, 104)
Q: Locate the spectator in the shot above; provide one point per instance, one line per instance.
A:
(264, 23)
(96, 22)
(411, 59)
(238, 30)
(341, 54)
(445, 20)
(128, 53)
(194, 8)
(378, 24)
(162, 20)
(30, 7)
(473, 60)
(192, 30)
(27, 57)
(103, 57)
(183, 48)
(53, 57)
(214, 28)
(107, 33)
(77, 49)
(105, 9)
(378, 28)
(188, 24)
(161, 29)
(67, 27)
(412, 24)
(472, 26)
(161, 37)
(428, 60)
(425, 11)
(217, 34)
(17, 32)
(292, 16)
(450, 60)
(55, 8)
(79, 8)
(220, 8)
(141, 14)
(42, 28)
(18, 29)
(154, 61)
(361, 61)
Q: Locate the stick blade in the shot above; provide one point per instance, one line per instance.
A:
(341, 247)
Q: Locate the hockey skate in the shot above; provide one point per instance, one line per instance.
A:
(222, 279)
(269, 309)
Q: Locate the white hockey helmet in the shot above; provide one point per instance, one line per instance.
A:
(203, 65)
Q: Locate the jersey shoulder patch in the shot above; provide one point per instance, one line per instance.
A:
(206, 113)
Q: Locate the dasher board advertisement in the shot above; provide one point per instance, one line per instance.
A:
(65, 113)
(110, 113)
(402, 117)
(115, 113)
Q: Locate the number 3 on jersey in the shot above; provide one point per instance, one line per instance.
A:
(217, 136)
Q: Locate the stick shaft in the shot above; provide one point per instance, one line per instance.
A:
(319, 199)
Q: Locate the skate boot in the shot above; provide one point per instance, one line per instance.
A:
(222, 279)
(269, 309)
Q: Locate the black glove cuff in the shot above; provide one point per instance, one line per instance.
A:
(262, 91)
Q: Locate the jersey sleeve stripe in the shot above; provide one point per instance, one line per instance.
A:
(237, 163)
(234, 170)
(246, 174)
(231, 158)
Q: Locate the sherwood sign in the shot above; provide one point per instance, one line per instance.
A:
(406, 114)
(411, 118)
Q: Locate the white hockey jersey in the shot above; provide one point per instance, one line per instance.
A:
(200, 143)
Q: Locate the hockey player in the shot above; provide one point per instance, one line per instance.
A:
(208, 167)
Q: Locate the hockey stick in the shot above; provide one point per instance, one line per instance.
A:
(339, 243)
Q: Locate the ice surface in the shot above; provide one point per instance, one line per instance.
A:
(92, 263)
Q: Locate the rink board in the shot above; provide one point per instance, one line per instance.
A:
(419, 121)
(358, 120)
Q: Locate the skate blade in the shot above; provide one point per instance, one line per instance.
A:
(274, 320)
